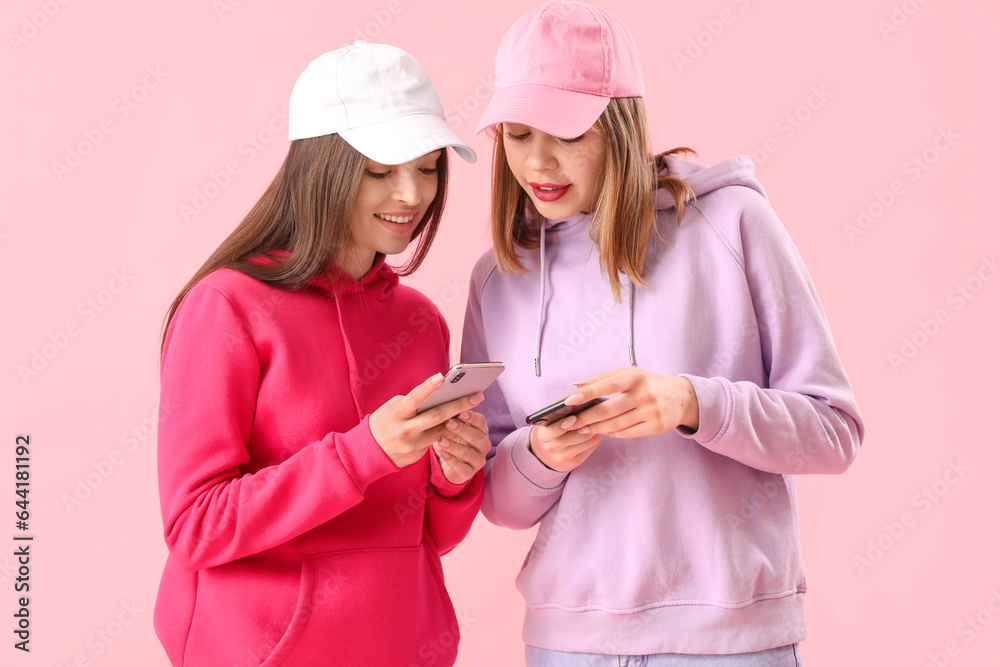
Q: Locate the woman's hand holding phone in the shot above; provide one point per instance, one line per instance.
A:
(559, 447)
(405, 435)
(464, 451)
(645, 403)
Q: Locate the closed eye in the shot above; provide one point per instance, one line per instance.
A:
(516, 137)
(375, 174)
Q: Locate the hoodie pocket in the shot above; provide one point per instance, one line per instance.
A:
(372, 606)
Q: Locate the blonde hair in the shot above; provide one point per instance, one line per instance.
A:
(624, 212)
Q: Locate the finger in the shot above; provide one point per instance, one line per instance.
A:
(475, 420)
(439, 414)
(441, 450)
(586, 449)
(573, 439)
(634, 431)
(422, 391)
(463, 452)
(609, 409)
(470, 436)
(570, 456)
(454, 462)
(614, 382)
(598, 376)
(618, 423)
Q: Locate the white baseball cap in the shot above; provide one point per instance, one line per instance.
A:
(378, 98)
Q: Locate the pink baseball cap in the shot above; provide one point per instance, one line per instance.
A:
(558, 67)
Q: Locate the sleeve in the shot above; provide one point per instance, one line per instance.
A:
(520, 489)
(213, 513)
(450, 508)
(806, 420)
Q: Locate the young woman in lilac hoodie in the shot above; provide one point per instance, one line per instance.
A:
(667, 517)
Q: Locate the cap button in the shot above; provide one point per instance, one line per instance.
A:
(359, 42)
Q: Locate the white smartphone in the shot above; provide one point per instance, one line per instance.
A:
(463, 380)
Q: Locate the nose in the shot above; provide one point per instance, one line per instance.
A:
(407, 190)
(540, 156)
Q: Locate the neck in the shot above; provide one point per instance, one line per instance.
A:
(357, 263)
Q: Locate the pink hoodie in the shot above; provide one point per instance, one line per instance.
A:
(293, 538)
(683, 542)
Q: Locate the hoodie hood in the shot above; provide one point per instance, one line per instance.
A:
(337, 284)
(377, 282)
(701, 178)
(704, 179)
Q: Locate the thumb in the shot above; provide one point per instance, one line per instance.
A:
(423, 391)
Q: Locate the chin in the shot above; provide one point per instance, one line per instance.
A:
(557, 210)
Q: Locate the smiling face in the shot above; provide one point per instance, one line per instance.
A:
(562, 176)
(391, 202)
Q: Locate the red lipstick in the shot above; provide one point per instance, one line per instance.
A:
(551, 191)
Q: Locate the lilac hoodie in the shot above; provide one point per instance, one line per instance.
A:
(686, 542)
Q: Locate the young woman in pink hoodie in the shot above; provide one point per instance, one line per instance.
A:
(667, 529)
(305, 502)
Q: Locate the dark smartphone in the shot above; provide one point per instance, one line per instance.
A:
(559, 410)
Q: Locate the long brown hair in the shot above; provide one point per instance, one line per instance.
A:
(306, 211)
(624, 213)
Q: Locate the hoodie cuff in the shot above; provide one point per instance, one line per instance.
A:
(715, 402)
(442, 485)
(363, 458)
(541, 476)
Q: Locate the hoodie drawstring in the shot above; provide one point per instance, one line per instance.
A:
(631, 335)
(541, 306)
(352, 366)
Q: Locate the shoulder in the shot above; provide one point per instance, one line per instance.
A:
(736, 216)
(411, 298)
(232, 284)
(247, 298)
(484, 269)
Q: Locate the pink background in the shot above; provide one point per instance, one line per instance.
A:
(896, 577)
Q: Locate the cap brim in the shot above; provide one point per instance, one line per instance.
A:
(562, 113)
(406, 138)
